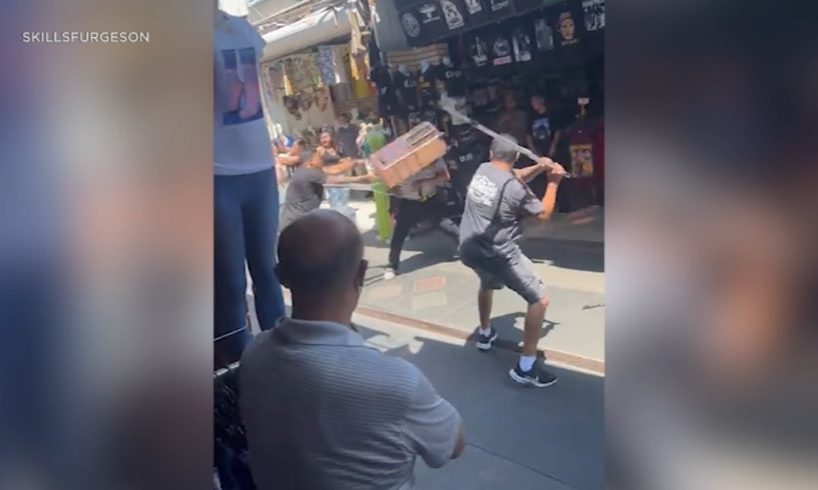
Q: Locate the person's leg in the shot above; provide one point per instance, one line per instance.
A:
(406, 217)
(486, 334)
(230, 327)
(484, 301)
(521, 278)
(260, 213)
(534, 317)
(382, 218)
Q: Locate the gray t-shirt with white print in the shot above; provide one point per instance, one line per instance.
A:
(490, 227)
(241, 143)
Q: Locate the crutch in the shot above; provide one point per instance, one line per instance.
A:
(447, 104)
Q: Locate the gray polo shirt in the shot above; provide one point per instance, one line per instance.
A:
(324, 411)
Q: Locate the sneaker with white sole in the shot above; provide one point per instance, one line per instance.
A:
(537, 376)
(484, 341)
(388, 274)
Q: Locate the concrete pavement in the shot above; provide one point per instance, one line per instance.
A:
(518, 438)
(436, 290)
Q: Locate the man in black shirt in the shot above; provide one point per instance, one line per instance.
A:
(306, 189)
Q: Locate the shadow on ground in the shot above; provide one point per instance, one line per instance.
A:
(436, 246)
(521, 438)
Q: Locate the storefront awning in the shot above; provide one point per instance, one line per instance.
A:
(314, 29)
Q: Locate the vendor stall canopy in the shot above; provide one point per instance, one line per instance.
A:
(310, 23)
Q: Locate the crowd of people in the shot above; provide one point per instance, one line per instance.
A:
(322, 409)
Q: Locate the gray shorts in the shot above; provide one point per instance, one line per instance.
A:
(516, 273)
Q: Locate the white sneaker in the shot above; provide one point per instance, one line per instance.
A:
(388, 274)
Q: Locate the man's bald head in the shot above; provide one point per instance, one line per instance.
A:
(320, 253)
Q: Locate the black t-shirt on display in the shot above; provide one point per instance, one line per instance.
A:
(453, 14)
(431, 20)
(541, 131)
(455, 81)
(543, 35)
(478, 51)
(426, 84)
(406, 91)
(568, 31)
(499, 8)
(501, 49)
(522, 42)
(386, 91)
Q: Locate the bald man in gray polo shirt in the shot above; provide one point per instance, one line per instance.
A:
(322, 410)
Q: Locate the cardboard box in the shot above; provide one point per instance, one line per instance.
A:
(409, 154)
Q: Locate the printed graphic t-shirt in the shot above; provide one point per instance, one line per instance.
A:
(241, 143)
(483, 233)
(541, 132)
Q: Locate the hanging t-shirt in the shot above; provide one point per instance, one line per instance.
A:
(387, 99)
(478, 51)
(499, 8)
(432, 24)
(241, 143)
(521, 41)
(474, 7)
(455, 81)
(581, 146)
(331, 65)
(452, 14)
(411, 25)
(426, 84)
(594, 13)
(541, 132)
(501, 49)
(406, 91)
(543, 35)
(568, 36)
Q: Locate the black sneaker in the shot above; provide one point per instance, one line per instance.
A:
(538, 376)
(484, 341)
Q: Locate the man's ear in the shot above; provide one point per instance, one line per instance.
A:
(361, 275)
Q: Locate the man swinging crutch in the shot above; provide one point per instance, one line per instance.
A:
(497, 200)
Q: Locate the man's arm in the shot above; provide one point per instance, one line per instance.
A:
(344, 166)
(344, 179)
(288, 160)
(550, 197)
(527, 174)
(433, 427)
